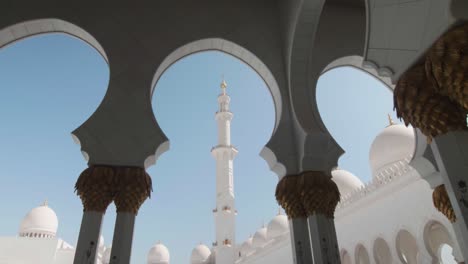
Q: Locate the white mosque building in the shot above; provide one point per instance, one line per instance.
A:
(37, 242)
(391, 219)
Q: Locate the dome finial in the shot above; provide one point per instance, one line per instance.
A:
(45, 203)
(390, 120)
(279, 210)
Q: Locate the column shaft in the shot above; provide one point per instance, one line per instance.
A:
(88, 238)
(452, 160)
(300, 241)
(324, 244)
(123, 236)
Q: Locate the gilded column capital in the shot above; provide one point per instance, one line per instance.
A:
(96, 187)
(419, 104)
(288, 195)
(442, 203)
(447, 65)
(320, 194)
(134, 187)
(311, 192)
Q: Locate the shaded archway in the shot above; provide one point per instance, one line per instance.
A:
(17, 32)
(382, 254)
(407, 247)
(51, 83)
(438, 241)
(184, 102)
(361, 255)
(345, 97)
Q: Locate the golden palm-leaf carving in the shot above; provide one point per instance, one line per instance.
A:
(442, 203)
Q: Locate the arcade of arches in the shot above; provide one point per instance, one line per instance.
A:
(418, 47)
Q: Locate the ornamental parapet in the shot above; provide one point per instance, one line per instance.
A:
(385, 177)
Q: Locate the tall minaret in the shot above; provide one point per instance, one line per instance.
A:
(225, 212)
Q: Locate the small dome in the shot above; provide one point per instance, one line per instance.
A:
(200, 254)
(158, 254)
(346, 181)
(246, 247)
(277, 226)
(395, 143)
(260, 238)
(106, 256)
(39, 222)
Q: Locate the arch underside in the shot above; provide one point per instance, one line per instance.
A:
(19, 31)
(233, 49)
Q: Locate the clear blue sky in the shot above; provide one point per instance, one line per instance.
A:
(53, 83)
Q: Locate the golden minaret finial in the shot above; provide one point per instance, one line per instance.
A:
(223, 85)
(390, 120)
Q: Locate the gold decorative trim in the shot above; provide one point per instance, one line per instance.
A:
(442, 203)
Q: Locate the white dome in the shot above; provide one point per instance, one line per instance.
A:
(158, 254)
(200, 254)
(107, 255)
(246, 247)
(346, 181)
(260, 238)
(277, 226)
(39, 222)
(395, 143)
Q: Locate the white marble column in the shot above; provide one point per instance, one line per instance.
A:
(324, 243)
(88, 238)
(300, 241)
(123, 236)
(451, 154)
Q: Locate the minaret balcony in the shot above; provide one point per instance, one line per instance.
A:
(222, 150)
(224, 115)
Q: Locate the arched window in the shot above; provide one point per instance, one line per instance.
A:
(361, 255)
(345, 257)
(407, 248)
(438, 242)
(382, 254)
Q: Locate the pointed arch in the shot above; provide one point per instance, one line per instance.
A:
(19, 31)
(232, 49)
